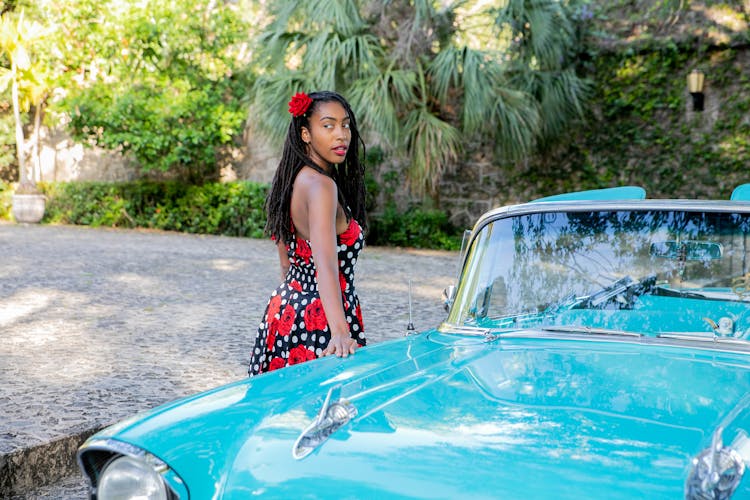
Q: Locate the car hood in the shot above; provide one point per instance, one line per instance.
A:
(447, 416)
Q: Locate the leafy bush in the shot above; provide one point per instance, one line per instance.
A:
(171, 92)
(416, 227)
(5, 200)
(232, 209)
(8, 161)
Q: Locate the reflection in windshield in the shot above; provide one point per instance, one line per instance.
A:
(647, 271)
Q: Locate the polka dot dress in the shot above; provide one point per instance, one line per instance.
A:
(294, 327)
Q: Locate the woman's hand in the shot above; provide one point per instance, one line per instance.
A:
(341, 345)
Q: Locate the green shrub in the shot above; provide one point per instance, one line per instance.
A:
(5, 200)
(231, 209)
(416, 227)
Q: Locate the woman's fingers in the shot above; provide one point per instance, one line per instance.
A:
(340, 349)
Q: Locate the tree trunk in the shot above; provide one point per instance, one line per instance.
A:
(37, 170)
(22, 174)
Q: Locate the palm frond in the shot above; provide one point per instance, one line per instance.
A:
(518, 121)
(444, 71)
(481, 80)
(361, 52)
(322, 48)
(337, 15)
(379, 100)
(433, 146)
(551, 34)
(274, 38)
(560, 96)
(333, 57)
(269, 112)
(542, 26)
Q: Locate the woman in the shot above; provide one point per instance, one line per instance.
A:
(316, 215)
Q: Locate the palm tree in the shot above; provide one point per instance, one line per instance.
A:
(425, 76)
(24, 78)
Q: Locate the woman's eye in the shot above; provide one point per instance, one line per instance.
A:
(346, 125)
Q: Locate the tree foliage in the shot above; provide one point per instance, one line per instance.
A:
(163, 81)
(25, 77)
(427, 77)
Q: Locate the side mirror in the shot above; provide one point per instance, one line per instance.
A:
(448, 296)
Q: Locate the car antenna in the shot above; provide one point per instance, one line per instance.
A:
(410, 327)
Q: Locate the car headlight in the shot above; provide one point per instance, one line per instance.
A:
(127, 477)
(117, 469)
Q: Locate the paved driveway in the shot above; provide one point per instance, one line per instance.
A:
(98, 324)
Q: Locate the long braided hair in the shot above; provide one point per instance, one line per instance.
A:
(348, 175)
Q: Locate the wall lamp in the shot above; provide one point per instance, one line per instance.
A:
(695, 86)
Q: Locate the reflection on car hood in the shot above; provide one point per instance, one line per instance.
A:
(451, 416)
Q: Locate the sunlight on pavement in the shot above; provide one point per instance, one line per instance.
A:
(22, 305)
(228, 265)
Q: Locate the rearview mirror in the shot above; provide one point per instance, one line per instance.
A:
(686, 250)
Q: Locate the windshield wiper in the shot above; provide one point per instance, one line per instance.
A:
(588, 330)
(619, 294)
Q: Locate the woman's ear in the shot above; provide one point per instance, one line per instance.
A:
(305, 134)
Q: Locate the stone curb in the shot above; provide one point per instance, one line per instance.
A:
(28, 468)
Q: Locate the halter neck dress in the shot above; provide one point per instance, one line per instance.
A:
(294, 326)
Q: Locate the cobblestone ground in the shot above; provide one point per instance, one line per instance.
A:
(99, 324)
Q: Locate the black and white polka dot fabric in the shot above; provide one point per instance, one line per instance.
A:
(294, 327)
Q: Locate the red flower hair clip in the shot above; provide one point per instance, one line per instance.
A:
(299, 104)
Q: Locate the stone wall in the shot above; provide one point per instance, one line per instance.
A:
(62, 159)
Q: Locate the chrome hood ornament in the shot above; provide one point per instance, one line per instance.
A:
(715, 472)
(334, 413)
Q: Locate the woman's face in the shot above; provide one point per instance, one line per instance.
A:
(328, 135)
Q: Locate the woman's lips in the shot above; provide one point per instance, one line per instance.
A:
(340, 150)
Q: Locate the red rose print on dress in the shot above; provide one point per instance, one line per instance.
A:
(300, 354)
(303, 250)
(287, 320)
(276, 363)
(273, 324)
(315, 316)
(349, 237)
(342, 282)
(273, 307)
(299, 104)
(294, 285)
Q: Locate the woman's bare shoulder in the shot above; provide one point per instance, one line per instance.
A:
(314, 183)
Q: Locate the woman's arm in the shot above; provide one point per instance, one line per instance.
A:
(283, 259)
(321, 207)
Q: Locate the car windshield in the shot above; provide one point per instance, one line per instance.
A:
(645, 272)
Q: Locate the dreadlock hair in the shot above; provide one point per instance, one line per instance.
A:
(348, 175)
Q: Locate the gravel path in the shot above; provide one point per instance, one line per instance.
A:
(98, 324)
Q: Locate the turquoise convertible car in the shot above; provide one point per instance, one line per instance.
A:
(597, 345)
